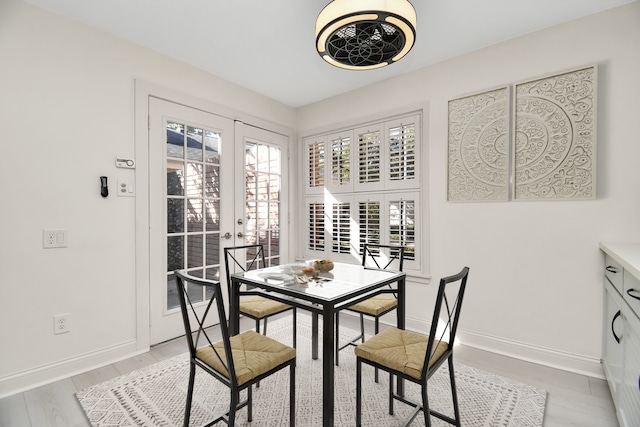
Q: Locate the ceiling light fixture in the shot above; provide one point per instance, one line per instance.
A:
(365, 34)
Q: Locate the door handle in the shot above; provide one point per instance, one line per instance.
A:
(227, 236)
(633, 290)
(240, 235)
(613, 330)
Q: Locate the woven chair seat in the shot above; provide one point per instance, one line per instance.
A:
(253, 355)
(260, 307)
(400, 350)
(375, 305)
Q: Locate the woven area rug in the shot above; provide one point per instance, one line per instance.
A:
(156, 395)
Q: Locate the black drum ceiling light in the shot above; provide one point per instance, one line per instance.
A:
(365, 34)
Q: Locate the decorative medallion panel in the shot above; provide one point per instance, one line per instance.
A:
(478, 168)
(555, 137)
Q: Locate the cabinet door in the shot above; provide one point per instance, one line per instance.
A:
(612, 339)
(630, 386)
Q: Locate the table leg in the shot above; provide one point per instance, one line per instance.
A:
(401, 323)
(328, 397)
(314, 335)
(234, 308)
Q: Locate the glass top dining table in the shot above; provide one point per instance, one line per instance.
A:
(332, 291)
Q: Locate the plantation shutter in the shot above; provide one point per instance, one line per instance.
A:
(402, 152)
(370, 160)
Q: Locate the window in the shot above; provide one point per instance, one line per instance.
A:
(369, 156)
(340, 230)
(316, 226)
(402, 221)
(316, 164)
(369, 220)
(363, 186)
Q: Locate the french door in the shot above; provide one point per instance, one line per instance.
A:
(213, 183)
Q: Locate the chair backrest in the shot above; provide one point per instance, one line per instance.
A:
(445, 317)
(253, 259)
(373, 251)
(194, 319)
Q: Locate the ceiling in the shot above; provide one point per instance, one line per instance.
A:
(268, 45)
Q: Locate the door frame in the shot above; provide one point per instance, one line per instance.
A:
(142, 91)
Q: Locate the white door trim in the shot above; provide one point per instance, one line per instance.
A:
(142, 91)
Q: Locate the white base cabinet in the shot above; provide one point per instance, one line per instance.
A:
(612, 346)
(629, 393)
(621, 329)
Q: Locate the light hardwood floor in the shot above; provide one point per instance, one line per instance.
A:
(572, 399)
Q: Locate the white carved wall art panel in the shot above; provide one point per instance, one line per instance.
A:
(555, 137)
(478, 168)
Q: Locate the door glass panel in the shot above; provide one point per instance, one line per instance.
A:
(212, 180)
(274, 187)
(175, 178)
(212, 215)
(175, 215)
(212, 249)
(172, 291)
(195, 254)
(212, 147)
(274, 161)
(193, 206)
(194, 143)
(194, 180)
(175, 250)
(263, 157)
(175, 140)
(195, 219)
(262, 207)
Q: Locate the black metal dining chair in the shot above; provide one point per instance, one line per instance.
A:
(236, 361)
(255, 304)
(383, 301)
(415, 357)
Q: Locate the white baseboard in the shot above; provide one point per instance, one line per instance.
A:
(22, 381)
(543, 356)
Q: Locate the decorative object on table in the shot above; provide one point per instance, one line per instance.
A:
(358, 35)
(323, 265)
(415, 357)
(478, 153)
(238, 362)
(255, 304)
(148, 396)
(555, 137)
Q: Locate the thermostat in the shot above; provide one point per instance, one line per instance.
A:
(121, 162)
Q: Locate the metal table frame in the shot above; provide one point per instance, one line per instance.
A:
(345, 285)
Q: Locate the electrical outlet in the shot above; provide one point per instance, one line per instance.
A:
(54, 238)
(61, 323)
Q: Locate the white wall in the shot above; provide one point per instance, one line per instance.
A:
(535, 287)
(66, 112)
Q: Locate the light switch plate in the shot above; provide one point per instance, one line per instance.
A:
(125, 188)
